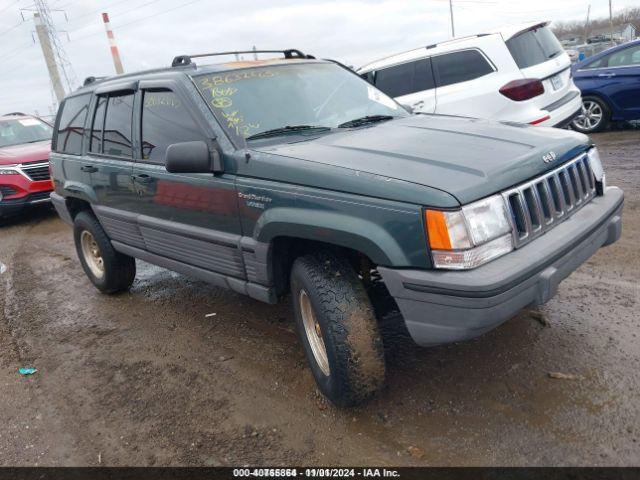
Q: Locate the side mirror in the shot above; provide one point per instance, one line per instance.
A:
(408, 108)
(192, 157)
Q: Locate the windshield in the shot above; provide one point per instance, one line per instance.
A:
(251, 101)
(534, 47)
(23, 130)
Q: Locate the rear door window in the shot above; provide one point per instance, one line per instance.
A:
(534, 47)
(462, 66)
(116, 137)
(625, 58)
(98, 125)
(70, 125)
(406, 78)
(165, 120)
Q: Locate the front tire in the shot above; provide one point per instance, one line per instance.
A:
(338, 328)
(594, 117)
(109, 270)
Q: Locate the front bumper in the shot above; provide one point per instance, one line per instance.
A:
(448, 306)
(11, 207)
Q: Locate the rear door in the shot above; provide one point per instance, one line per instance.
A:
(410, 84)
(617, 76)
(108, 162)
(189, 217)
(466, 83)
(538, 54)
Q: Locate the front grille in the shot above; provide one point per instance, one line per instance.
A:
(39, 197)
(6, 190)
(542, 203)
(36, 171)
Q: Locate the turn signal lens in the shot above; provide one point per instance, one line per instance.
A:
(447, 230)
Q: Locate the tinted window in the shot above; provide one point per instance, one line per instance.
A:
(534, 47)
(71, 125)
(406, 78)
(165, 120)
(459, 67)
(98, 124)
(117, 126)
(601, 62)
(625, 58)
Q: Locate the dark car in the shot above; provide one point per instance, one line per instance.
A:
(296, 178)
(25, 143)
(610, 86)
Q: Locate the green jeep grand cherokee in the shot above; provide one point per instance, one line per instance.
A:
(296, 177)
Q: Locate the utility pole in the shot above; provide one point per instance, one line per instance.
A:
(115, 54)
(49, 57)
(453, 32)
(610, 22)
(60, 70)
(586, 24)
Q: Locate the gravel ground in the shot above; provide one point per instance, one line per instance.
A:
(150, 378)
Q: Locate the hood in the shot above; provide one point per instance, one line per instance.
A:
(26, 152)
(468, 158)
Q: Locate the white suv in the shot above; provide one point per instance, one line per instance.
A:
(519, 74)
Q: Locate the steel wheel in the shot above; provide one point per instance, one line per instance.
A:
(91, 253)
(590, 117)
(313, 333)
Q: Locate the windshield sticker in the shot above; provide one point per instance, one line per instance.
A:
(377, 97)
(29, 122)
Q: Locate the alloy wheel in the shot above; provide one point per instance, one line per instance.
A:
(313, 332)
(590, 116)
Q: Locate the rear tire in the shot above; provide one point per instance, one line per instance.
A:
(109, 270)
(338, 328)
(594, 117)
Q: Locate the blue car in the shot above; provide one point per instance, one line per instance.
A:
(610, 86)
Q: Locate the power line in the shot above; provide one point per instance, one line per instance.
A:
(11, 29)
(10, 5)
(119, 27)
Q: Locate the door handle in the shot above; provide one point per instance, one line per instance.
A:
(607, 75)
(89, 168)
(142, 178)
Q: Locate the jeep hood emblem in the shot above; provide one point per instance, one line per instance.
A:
(549, 157)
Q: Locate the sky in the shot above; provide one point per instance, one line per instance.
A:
(149, 33)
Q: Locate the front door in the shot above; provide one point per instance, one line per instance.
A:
(192, 218)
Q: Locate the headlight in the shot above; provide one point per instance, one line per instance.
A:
(598, 172)
(9, 170)
(471, 236)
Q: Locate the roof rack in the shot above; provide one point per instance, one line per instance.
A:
(184, 60)
(90, 80)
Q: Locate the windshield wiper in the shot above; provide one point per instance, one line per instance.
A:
(356, 122)
(274, 132)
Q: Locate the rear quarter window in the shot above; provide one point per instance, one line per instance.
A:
(456, 67)
(534, 47)
(70, 125)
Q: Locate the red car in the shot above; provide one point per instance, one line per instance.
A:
(25, 142)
